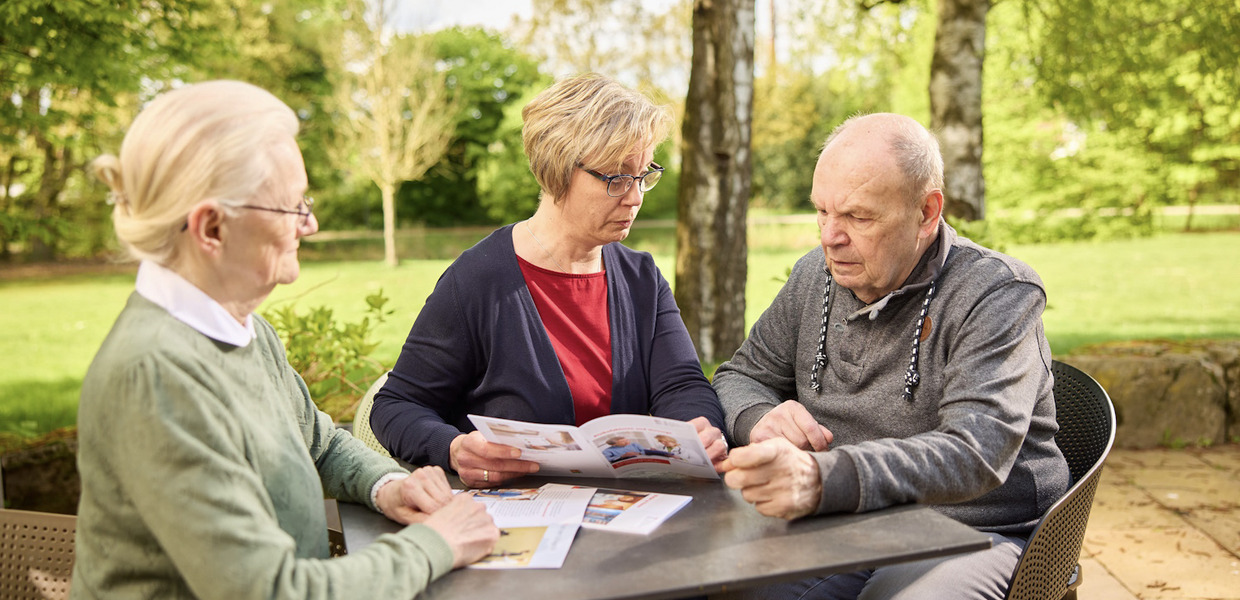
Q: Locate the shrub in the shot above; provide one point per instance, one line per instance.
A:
(334, 359)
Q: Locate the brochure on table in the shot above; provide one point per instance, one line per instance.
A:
(609, 446)
(629, 511)
(537, 526)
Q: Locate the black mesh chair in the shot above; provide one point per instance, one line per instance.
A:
(1048, 568)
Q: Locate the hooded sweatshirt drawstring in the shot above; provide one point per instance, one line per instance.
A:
(911, 376)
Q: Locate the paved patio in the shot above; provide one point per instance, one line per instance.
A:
(1165, 524)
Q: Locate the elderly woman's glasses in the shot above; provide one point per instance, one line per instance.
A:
(304, 211)
(619, 185)
(306, 207)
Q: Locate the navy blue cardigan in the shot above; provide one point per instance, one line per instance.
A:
(479, 347)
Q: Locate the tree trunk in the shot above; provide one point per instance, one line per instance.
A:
(711, 249)
(956, 103)
(44, 243)
(388, 191)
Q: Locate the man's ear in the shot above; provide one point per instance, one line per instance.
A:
(203, 225)
(931, 212)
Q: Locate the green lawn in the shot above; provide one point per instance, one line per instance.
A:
(1170, 286)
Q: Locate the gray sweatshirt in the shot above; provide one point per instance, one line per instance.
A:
(976, 436)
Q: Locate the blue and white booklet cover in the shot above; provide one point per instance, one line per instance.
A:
(609, 446)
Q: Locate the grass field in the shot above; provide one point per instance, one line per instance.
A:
(1169, 286)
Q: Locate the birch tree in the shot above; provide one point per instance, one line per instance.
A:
(956, 103)
(397, 115)
(711, 249)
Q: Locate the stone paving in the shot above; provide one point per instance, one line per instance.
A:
(1165, 524)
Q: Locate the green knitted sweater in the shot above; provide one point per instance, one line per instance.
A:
(204, 466)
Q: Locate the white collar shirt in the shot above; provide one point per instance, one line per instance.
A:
(190, 305)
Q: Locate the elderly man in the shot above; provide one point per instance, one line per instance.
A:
(917, 355)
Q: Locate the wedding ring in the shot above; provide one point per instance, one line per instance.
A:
(486, 475)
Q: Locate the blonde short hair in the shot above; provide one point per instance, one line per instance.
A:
(207, 140)
(587, 119)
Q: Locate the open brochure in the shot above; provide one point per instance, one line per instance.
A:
(537, 526)
(609, 446)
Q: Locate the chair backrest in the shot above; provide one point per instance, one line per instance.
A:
(361, 419)
(36, 554)
(1086, 432)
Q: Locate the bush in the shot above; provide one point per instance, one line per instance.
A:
(334, 359)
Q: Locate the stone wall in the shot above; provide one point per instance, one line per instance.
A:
(1168, 393)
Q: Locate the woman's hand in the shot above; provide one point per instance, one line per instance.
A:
(466, 526)
(414, 498)
(712, 439)
(485, 464)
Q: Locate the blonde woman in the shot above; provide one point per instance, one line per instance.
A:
(551, 319)
(203, 459)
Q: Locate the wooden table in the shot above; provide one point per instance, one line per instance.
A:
(718, 542)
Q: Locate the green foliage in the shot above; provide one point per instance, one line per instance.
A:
(1049, 177)
(1161, 72)
(333, 358)
(507, 190)
(73, 71)
(490, 77)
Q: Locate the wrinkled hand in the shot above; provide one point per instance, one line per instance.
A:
(466, 526)
(778, 478)
(712, 439)
(414, 498)
(791, 421)
(486, 464)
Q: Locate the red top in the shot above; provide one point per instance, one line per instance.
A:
(573, 309)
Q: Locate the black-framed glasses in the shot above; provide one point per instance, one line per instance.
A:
(305, 209)
(619, 185)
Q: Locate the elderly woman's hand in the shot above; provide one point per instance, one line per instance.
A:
(414, 498)
(468, 529)
(486, 464)
(713, 440)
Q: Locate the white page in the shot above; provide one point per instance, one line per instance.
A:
(551, 504)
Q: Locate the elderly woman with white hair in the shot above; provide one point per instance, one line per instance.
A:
(551, 319)
(203, 459)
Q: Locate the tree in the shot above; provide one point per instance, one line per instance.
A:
(72, 73)
(956, 104)
(489, 77)
(628, 41)
(397, 115)
(1164, 70)
(711, 248)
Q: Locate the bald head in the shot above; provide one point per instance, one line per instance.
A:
(912, 149)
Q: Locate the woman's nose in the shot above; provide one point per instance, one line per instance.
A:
(310, 227)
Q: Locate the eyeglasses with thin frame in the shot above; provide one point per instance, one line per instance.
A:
(305, 209)
(619, 185)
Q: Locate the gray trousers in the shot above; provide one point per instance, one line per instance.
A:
(981, 575)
